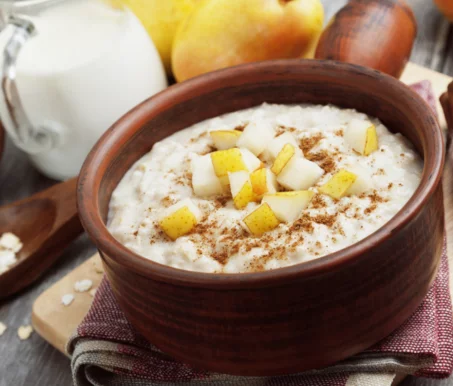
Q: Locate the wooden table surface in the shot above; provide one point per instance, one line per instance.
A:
(34, 362)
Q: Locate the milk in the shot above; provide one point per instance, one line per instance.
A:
(88, 65)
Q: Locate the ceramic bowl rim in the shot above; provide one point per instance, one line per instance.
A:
(89, 184)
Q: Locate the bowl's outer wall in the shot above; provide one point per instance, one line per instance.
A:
(307, 321)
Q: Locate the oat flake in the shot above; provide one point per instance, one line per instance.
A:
(67, 299)
(2, 328)
(24, 332)
(83, 285)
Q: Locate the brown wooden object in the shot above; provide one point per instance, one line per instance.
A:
(46, 223)
(373, 33)
(295, 318)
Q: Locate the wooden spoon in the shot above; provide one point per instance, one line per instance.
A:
(46, 223)
(373, 33)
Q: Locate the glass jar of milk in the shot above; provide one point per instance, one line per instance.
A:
(70, 69)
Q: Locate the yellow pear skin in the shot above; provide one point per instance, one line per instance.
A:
(224, 33)
(161, 18)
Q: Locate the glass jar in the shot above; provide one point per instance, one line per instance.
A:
(70, 69)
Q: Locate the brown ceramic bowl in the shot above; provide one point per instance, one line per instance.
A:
(291, 319)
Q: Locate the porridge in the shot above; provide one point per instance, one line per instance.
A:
(263, 188)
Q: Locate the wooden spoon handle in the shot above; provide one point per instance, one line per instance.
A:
(372, 33)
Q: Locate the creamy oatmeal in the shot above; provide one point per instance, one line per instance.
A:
(263, 188)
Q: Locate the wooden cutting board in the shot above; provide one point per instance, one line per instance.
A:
(56, 323)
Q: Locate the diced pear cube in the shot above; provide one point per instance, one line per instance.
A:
(263, 181)
(361, 136)
(299, 174)
(288, 151)
(261, 220)
(205, 183)
(363, 182)
(241, 189)
(372, 143)
(180, 219)
(276, 145)
(256, 136)
(251, 161)
(288, 206)
(225, 139)
(339, 184)
(227, 161)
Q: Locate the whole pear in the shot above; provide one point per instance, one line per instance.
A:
(223, 33)
(161, 18)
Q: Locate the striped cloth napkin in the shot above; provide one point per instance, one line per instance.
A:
(106, 350)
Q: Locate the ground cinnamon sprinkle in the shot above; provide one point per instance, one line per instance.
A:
(188, 175)
(328, 165)
(201, 228)
(258, 264)
(221, 257)
(306, 144)
(318, 202)
(196, 139)
(279, 131)
(282, 129)
(345, 208)
(380, 172)
(221, 201)
(241, 127)
(370, 209)
(167, 201)
(339, 133)
(325, 219)
(304, 223)
(208, 150)
(325, 160)
(375, 197)
(254, 244)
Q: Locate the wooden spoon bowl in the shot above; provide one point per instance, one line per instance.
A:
(46, 223)
(291, 319)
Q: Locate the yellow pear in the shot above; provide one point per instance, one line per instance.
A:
(225, 139)
(362, 137)
(338, 186)
(161, 18)
(288, 206)
(241, 188)
(261, 220)
(283, 158)
(180, 218)
(224, 33)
